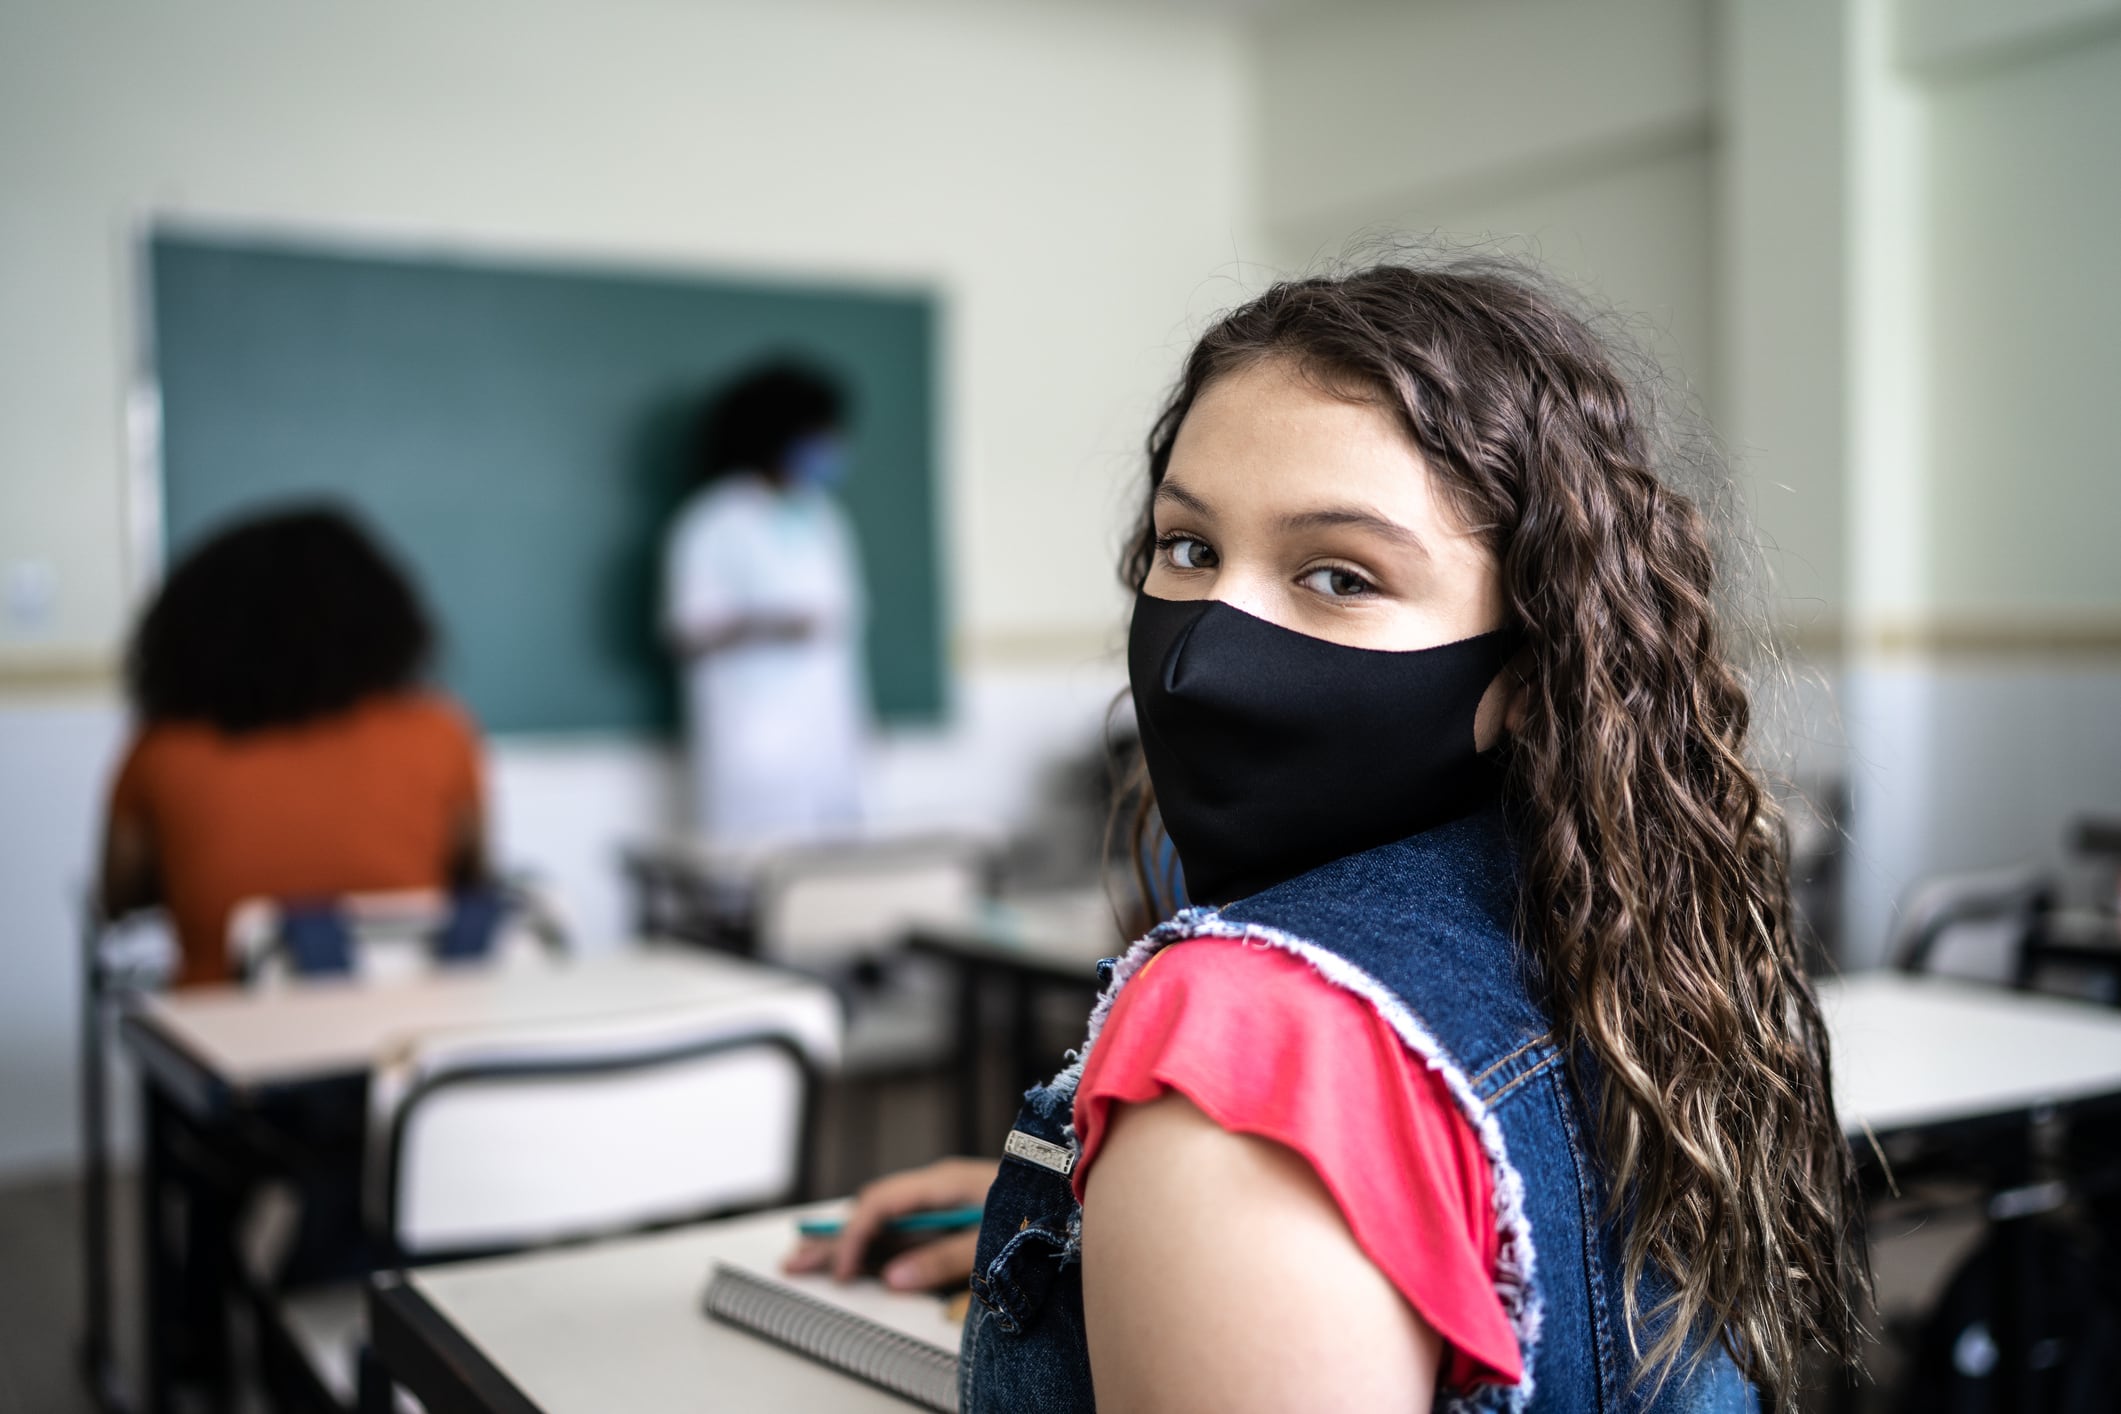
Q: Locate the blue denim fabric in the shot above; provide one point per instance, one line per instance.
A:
(1425, 930)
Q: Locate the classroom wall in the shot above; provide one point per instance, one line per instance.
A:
(53, 755)
(1983, 635)
(1072, 178)
(1781, 295)
(2024, 213)
(1581, 135)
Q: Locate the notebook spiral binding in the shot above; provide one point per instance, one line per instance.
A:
(838, 1338)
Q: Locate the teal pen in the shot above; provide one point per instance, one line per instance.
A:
(931, 1220)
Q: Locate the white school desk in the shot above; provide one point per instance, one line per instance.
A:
(618, 1325)
(209, 1046)
(213, 1051)
(1915, 1052)
(615, 1326)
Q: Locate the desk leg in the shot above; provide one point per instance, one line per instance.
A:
(971, 1138)
(157, 1269)
(2019, 1303)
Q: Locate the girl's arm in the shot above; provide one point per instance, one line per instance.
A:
(1219, 1275)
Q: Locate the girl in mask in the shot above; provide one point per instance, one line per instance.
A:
(1480, 1070)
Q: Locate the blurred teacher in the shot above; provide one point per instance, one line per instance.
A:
(763, 608)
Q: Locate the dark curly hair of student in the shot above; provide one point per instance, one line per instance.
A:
(276, 621)
(1654, 862)
(750, 424)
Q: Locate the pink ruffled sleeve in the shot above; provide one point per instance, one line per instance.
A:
(1263, 1045)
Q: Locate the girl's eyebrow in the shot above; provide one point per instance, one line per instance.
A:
(1171, 492)
(1319, 518)
(1354, 518)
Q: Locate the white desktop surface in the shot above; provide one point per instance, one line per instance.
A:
(618, 1325)
(1910, 1051)
(319, 1028)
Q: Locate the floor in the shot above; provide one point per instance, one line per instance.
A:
(40, 1299)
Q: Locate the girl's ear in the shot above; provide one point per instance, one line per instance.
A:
(1505, 705)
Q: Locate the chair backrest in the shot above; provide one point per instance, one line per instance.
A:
(826, 904)
(391, 936)
(2097, 839)
(1972, 924)
(522, 1136)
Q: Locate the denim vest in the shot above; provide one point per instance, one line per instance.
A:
(1424, 931)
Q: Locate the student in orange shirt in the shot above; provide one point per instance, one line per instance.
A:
(286, 747)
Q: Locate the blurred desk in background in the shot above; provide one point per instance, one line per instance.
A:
(1924, 1053)
(1967, 1080)
(211, 1057)
(1016, 951)
(726, 895)
(614, 1325)
(210, 1048)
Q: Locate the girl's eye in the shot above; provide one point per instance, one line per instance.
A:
(1186, 553)
(1336, 583)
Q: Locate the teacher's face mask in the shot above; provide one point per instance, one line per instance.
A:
(818, 460)
(1272, 752)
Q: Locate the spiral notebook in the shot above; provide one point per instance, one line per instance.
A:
(904, 1343)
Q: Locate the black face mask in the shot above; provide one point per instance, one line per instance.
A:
(1272, 752)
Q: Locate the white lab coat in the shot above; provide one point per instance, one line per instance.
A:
(776, 729)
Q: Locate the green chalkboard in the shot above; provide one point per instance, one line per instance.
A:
(520, 435)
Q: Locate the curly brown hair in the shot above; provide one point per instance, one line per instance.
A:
(291, 615)
(1654, 863)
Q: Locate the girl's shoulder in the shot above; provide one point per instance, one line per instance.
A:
(1264, 1045)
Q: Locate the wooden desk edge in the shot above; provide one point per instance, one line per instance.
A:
(423, 1350)
(170, 1065)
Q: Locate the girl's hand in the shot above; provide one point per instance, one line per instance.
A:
(945, 1262)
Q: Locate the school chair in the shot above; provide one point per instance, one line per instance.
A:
(396, 934)
(691, 890)
(843, 912)
(1973, 924)
(117, 957)
(2098, 837)
(306, 1154)
(513, 1138)
(2080, 940)
(821, 905)
(270, 941)
(1814, 812)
